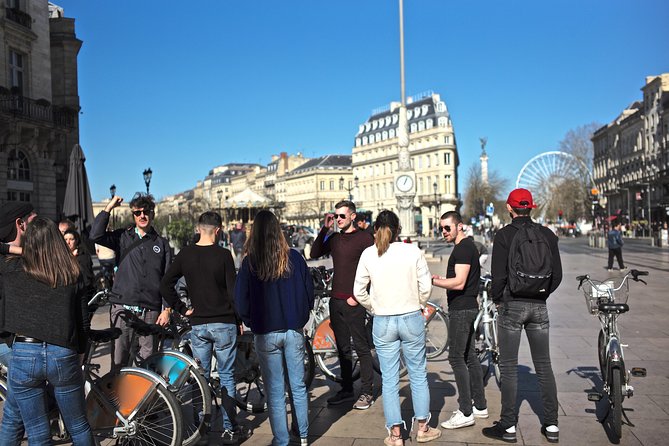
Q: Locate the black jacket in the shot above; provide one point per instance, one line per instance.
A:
(140, 270)
(500, 258)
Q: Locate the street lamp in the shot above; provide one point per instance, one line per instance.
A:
(348, 189)
(436, 205)
(219, 194)
(147, 178)
(112, 192)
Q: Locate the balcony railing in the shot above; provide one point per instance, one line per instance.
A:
(38, 110)
(18, 16)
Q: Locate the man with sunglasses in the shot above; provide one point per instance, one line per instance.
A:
(462, 284)
(347, 317)
(142, 256)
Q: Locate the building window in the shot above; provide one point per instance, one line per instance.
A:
(15, 195)
(391, 133)
(429, 124)
(332, 185)
(16, 70)
(413, 127)
(364, 140)
(428, 161)
(436, 159)
(421, 126)
(443, 122)
(447, 184)
(447, 158)
(322, 185)
(357, 142)
(384, 135)
(18, 166)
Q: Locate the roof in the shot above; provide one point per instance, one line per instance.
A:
(325, 162)
(246, 198)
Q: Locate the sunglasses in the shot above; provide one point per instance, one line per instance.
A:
(142, 211)
(446, 228)
(342, 216)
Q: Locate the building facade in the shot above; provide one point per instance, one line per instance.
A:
(39, 103)
(434, 157)
(631, 157)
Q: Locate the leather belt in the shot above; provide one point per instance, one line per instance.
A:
(28, 340)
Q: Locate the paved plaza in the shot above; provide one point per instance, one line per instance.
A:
(573, 348)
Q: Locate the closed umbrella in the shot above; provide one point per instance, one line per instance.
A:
(78, 205)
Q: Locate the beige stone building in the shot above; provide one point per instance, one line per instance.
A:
(313, 188)
(39, 103)
(631, 157)
(434, 157)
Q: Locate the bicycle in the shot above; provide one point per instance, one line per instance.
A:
(607, 302)
(485, 327)
(319, 330)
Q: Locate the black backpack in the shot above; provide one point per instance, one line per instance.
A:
(530, 262)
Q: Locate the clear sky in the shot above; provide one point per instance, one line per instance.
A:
(182, 87)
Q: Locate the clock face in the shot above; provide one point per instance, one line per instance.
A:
(404, 183)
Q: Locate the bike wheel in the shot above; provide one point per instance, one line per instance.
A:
(616, 401)
(482, 352)
(601, 351)
(490, 333)
(152, 412)
(3, 390)
(189, 387)
(325, 353)
(436, 331)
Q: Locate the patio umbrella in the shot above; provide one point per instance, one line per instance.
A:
(78, 205)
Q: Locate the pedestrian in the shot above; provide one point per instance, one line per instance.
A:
(79, 251)
(209, 271)
(142, 259)
(14, 219)
(300, 239)
(363, 225)
(399, 281)
(237, 240)
(463, 273)
(347, 317)
(523, 310)
(614, 242)
(46, 310)
(274, 295)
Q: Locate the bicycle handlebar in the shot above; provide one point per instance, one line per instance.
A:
(635, 273)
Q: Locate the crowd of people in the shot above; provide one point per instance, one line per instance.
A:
(262, 283)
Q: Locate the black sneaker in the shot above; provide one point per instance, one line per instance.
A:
(341, 397)
(499, 433)
(229, 437)
(552, 433)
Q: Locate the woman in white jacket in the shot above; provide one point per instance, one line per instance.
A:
(400, 285)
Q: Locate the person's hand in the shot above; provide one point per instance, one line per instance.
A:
(241, 329)
(329, 220)
(189, 312)
(164, 317)
(114, 203)
(352, 302)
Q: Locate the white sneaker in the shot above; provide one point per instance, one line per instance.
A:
(458, 420)
(483, 413)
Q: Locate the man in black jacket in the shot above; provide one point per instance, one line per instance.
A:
(143, 257)
(518, 312)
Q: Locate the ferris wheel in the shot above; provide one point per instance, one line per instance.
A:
(545, 173)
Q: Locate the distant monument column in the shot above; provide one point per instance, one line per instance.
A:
(484, 160)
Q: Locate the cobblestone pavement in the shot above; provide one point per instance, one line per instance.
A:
(573, 347)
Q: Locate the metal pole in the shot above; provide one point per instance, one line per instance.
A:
(650, 227)
(402, 95)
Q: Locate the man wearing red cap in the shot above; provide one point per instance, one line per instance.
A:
(523, 310)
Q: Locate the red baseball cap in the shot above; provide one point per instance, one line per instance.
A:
(520, 198)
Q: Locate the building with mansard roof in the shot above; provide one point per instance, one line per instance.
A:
(39, 103)
(631, 157)
(433, 152)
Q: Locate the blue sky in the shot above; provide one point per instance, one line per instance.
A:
(182, 87)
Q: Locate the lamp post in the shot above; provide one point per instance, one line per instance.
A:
(348, 189)
(112, 192)
(219, 194)
(147, 178)
(436, 206)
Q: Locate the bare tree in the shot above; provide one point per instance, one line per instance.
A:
(577, 142)
(479, 194)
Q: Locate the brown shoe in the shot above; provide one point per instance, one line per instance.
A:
(392, 440)
(428, 435)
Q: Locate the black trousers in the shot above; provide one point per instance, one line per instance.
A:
(349, 323)
(618, 253)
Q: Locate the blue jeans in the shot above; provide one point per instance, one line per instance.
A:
(280, 352)
(464, 362)
(512, 318)
(405, 331)
(5, 354)
(222, 340)
(32, 366)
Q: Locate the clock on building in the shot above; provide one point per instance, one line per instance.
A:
(404, 183)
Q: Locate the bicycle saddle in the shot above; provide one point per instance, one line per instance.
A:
(144, 329)
(106, 335)
(613, 308)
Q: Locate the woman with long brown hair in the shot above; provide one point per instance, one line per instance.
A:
(400, 284)
(45, 308)
(274, 294)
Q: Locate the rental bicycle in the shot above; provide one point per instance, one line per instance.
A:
(607, 301)
(485, 327)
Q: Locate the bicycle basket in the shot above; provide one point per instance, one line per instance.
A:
(601, 292)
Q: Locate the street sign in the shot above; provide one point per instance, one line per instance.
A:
(490, 209)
